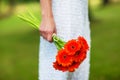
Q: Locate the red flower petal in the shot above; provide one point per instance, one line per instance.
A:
(83, 42)
(59, 67)
(74, 66)
(63, 58)
(79, 56)
(72, 46)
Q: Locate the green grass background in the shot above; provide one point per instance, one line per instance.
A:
(19, 45)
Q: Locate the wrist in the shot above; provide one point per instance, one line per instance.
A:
(47, 15)
(47, 18)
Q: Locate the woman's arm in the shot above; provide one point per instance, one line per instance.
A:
(47, 27)
(46, 6)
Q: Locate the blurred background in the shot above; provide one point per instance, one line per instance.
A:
(19, 43)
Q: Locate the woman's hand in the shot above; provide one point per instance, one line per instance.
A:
(47, 28)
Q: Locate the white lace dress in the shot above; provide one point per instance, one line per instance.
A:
(71, 17)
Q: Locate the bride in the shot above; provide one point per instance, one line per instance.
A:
(68, 19)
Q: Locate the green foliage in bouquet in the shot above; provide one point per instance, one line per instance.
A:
(30, 18)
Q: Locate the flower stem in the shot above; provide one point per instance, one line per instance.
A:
(58, 41)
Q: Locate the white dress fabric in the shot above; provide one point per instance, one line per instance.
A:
(71, 18)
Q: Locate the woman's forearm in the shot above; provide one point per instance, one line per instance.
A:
(47, 26)
(46, 8)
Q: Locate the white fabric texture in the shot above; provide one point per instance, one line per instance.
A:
(71, 18)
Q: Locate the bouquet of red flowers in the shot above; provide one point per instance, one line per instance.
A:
(70, 54)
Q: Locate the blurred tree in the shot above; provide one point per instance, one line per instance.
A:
(0, 6)
(11, 4)
(105, 2)
(91, 17)
(9, 11)
(23, 1)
